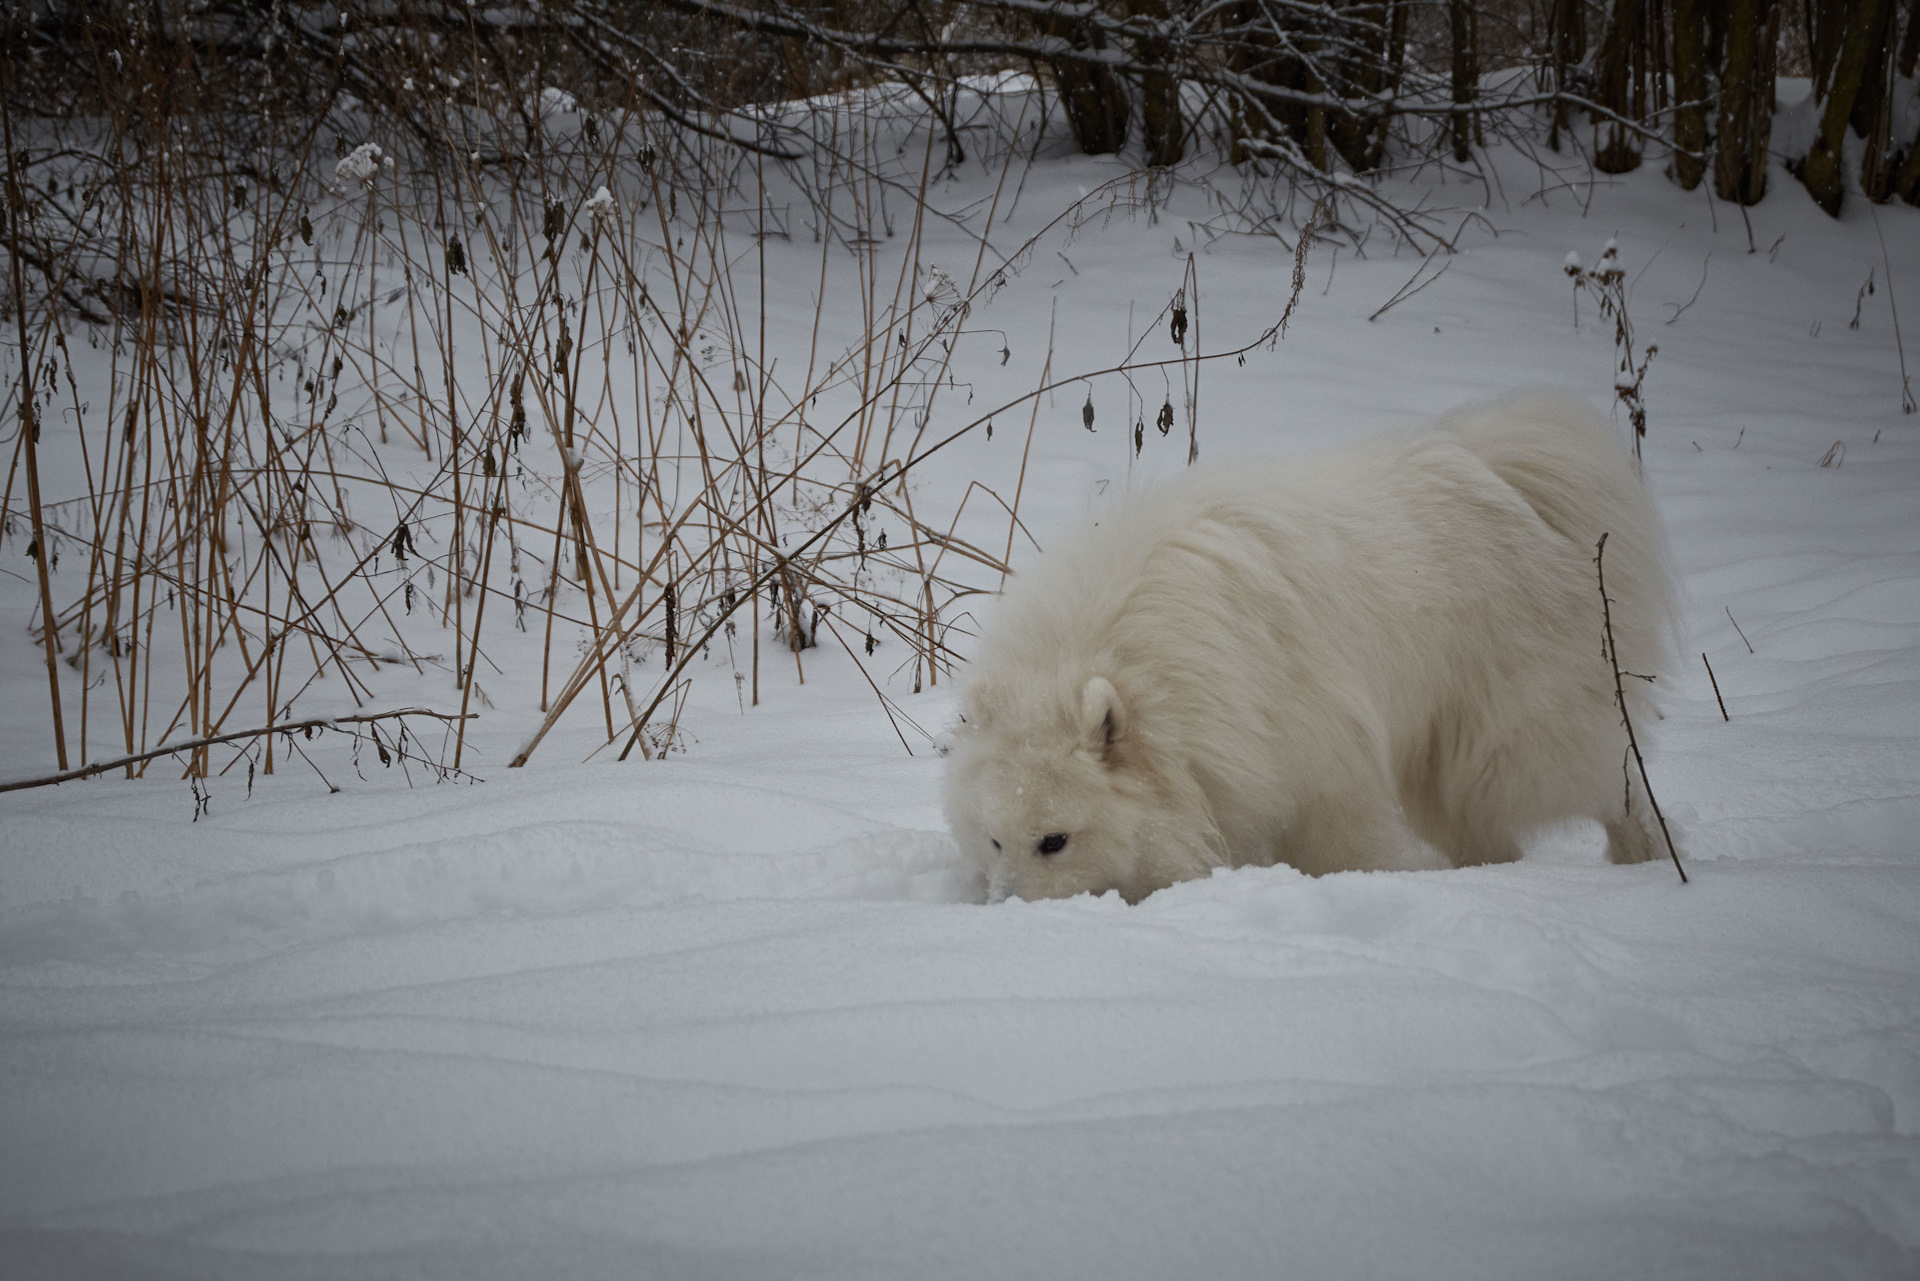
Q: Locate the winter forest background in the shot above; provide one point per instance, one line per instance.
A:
(298, 233)
(498, 496)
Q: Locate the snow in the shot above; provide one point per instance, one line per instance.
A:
(360, 165)
(739, 1012)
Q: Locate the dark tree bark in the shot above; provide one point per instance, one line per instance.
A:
(1879, 162)
(1906, 181)
(1749, 31)
(1876, 84)
(1380, 34)
(1567, 47)
(1622, 55)
(1260, 55)
(1466, 74)
(1826, 22)
(1395, 69)
(1905, 165)
(1162, 125)
(1094, 98)
(1861, 55)
(1316, 142)
(1689, 88)
(1249, 56)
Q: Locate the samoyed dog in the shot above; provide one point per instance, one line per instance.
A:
(1310, 661)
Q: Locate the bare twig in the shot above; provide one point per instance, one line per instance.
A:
(1907, 403)
(1620, 700)
(1716, 689)
(198, 744)
(1409, 289)
(1737, 628)
(1681, 309)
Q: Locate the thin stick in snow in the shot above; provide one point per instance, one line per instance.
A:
(1737, 628)
(1907, 404)
(1620, 699)
(1681, 309)
(1409, 289)
(1716, 689)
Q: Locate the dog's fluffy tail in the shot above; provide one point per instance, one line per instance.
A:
(1571, 468)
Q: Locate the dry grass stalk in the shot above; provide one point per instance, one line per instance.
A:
(321, 386)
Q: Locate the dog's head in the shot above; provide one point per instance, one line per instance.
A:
(1056, 796)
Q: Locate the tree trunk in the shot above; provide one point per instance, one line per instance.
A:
(1877, 162)
(1903, 166)
(1826, 25)
(1859, 57)
(1907, 181)
(1473, 43)
(1748, 32)
(1690, 91)
(1567, 44)
(1876, 85)
(1620, 55)
(1094, 98)
(1367, 70)
(1466, 74)
(1316, 142)
(1906, 166)
(1261, 54)
(1396, 67)
(1161, 123)
(1766, 59)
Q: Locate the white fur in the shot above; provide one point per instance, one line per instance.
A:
(1300, 661)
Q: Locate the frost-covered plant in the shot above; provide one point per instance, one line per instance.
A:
(1607, 282)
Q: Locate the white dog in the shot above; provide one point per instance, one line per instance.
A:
(1298, 661)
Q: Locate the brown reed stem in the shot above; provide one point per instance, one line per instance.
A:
(30, 431)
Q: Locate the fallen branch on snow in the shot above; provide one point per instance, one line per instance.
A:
(193, 744)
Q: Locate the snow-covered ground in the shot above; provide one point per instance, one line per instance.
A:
(739, 1013)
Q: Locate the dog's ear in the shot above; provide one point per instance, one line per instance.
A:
(1103, 719)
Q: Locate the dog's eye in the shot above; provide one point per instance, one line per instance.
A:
(1052, 843)
(996, 844)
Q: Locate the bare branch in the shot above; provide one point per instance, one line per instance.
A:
(194, 744)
